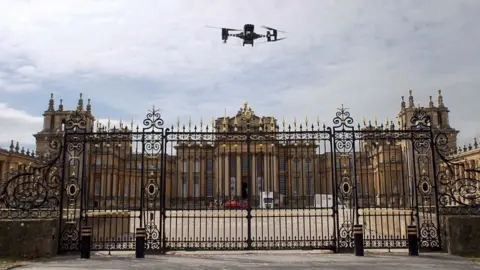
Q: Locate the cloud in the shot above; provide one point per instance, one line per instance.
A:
(18, 125)
(130, 55)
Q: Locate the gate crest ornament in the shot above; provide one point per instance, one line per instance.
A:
(153, 121)
(420, 119)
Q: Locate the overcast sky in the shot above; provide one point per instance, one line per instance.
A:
(129, 55)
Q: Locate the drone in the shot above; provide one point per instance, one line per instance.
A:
(248, 34)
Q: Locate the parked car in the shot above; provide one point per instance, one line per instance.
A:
(232, 204)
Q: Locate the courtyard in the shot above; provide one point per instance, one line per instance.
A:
(258, 260)
(270, 229)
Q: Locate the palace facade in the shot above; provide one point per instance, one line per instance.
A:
(217, 165)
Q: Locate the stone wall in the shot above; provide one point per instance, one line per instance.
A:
(461, 235)
(29, 237)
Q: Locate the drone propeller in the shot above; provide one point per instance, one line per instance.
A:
(273, 29)
(278, 39)
(228, 29)
(267, 41)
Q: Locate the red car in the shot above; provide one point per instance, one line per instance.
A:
(232, 204)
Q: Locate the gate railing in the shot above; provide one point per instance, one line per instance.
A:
(251, 187)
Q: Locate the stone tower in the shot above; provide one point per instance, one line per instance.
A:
(439, 114)
(53, 121)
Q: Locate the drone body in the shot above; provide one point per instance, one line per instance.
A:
(248, 34)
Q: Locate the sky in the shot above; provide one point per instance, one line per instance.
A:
(130, 55)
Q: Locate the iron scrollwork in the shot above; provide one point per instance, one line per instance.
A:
(459, 185)
(153, 133)
(33, 191)
(75, 143)
(344, 135)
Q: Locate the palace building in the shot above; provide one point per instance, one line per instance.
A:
(203, 166)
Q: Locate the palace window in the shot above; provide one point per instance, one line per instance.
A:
(209, 165)
(283, 185)
(259, 164)
(308, 164)
(244, 163)
(296, 186)
(126, 188)
(260, 184)
(233, 163)
(282, 163)
(233, 186)
(184, 187)
(197, 165)
(196, 186)
(209, 186)
(309, 186)
(98, 188)
(296, 164)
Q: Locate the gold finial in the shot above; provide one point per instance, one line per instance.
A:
(294, 122)
(245, 104)
(213, 123)
(364, 119)
(306, 121)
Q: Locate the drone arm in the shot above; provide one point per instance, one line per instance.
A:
(237, 35)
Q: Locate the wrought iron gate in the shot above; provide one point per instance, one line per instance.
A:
(256, 185)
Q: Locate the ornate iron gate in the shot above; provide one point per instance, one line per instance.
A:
(249, 183)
